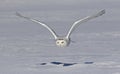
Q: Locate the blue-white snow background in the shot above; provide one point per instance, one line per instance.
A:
(24, 44)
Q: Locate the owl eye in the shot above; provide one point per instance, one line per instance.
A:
(57, 42)
(62, 42)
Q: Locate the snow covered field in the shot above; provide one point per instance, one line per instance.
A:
(25, 45)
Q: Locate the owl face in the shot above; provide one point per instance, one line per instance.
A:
(61, 42)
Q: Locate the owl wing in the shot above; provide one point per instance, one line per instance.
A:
(77, 23)
(36, 21)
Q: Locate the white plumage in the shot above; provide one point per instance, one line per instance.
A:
(64, 41)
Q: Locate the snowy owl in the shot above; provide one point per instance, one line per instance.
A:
(64, 41)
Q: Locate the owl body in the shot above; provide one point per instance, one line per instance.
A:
(64, 41)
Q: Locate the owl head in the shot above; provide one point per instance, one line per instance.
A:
(62, 42)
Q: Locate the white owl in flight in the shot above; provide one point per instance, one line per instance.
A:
(64, 41)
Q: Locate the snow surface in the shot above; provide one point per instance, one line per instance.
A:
(25, 45)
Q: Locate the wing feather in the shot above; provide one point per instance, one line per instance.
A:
(77, 23)
(36, 21)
